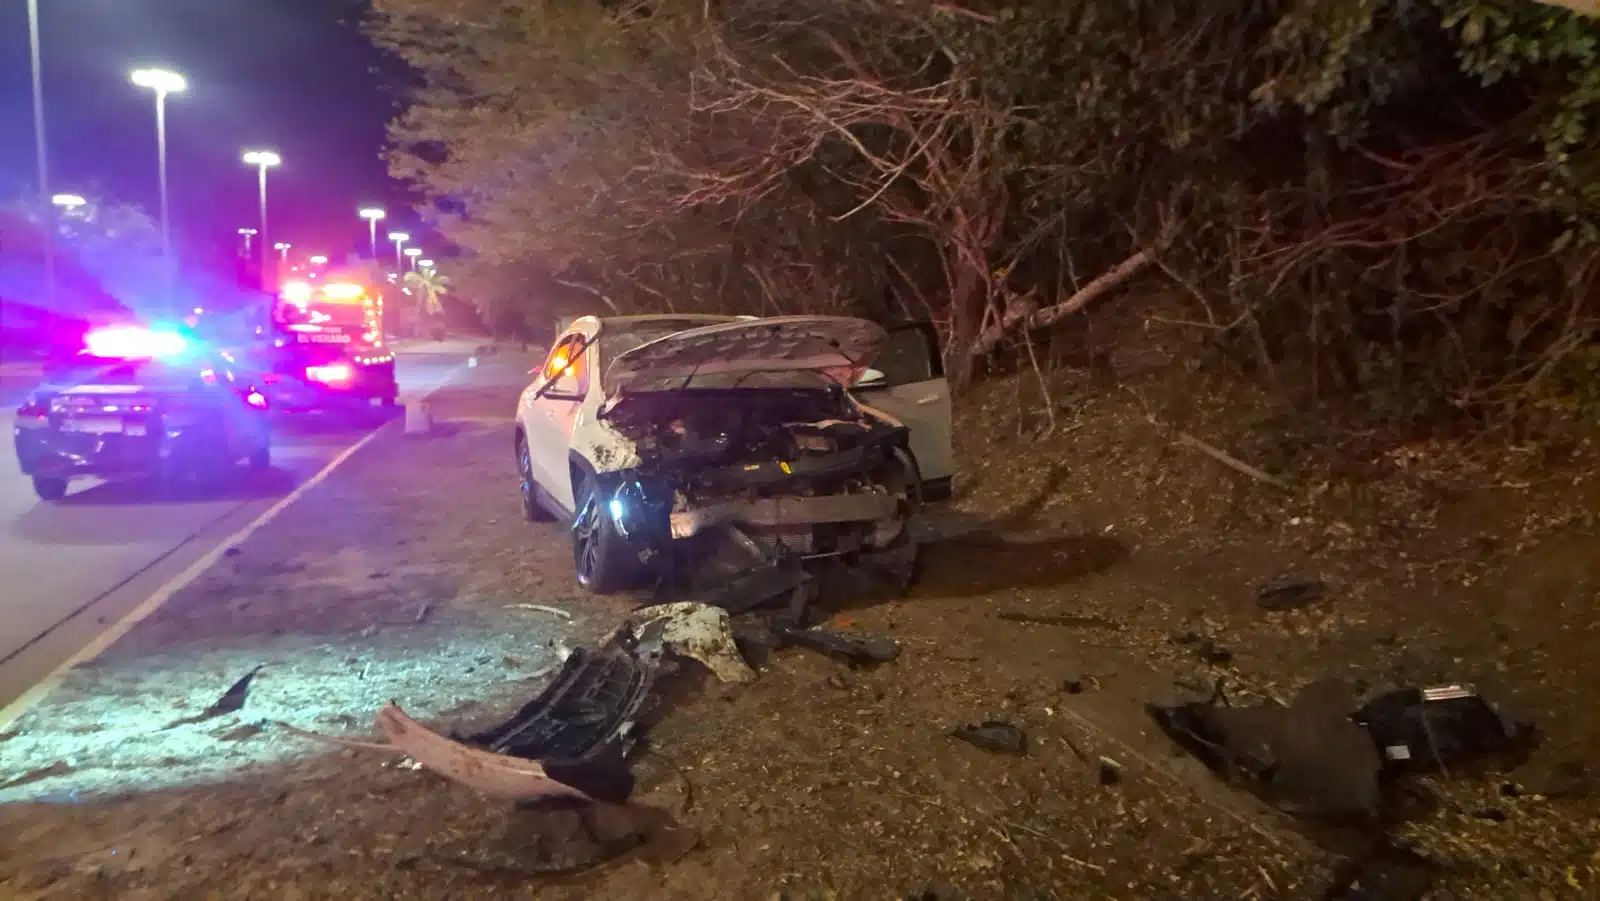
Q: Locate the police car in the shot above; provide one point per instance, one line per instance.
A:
(136, 402)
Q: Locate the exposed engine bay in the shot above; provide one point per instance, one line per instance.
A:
(786, 473)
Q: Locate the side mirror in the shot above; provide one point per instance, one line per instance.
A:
(872, 378)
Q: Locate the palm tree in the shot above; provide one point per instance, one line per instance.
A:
(427, 286)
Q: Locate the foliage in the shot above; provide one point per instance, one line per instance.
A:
(1353, 196)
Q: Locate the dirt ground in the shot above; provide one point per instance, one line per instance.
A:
(393, 578)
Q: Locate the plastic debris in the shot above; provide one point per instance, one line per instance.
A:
(1425, 729)
(700, 632)
(1308, 757)
(994, 735)
(1290, 592)
(851, 647)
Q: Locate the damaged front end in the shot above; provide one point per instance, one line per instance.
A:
(755, 476)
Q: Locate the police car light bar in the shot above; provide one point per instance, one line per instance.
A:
(132, 342)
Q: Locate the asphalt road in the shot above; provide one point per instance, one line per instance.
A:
(70, 570)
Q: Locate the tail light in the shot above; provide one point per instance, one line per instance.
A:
(33, 415)
(329, 375)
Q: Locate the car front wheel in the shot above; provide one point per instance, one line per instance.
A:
(599, 554)
(49, 489)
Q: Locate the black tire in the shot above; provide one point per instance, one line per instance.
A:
(260, 458)
(900, 564)
(528, 490)
(600, 556)
(49, 489)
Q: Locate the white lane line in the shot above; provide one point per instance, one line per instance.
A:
(14, 711)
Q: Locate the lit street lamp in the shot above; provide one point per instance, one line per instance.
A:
(40, 145)
(413, 253)
(67, 201)
(399, 239)
(424, 264)
(372, 214)
(318, 260)
(248, 233)
(263, 160)
(282, 247)
(163, 82)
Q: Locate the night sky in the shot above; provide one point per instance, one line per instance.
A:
(294, 76)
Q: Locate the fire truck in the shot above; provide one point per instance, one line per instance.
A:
(324, 346)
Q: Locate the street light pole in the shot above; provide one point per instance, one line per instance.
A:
(40, 148)
(248, 233)
(372, 214)
(163, 82)
(399, 239)
(263, 160)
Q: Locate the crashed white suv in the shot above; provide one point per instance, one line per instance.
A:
(656, 435)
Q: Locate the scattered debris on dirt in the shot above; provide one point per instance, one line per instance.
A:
(1290, 592)
(1308, 757)
(1390, 874)
(994, 735)
(1323, 757)
(1061, 619)
(231, 701)
(855, 648)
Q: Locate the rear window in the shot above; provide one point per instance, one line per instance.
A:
(82, 369)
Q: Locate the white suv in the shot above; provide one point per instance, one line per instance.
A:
(654, 436)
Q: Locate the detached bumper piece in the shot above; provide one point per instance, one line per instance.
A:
(580, 728)
(572, 741)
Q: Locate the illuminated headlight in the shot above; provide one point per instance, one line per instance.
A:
(619, 513)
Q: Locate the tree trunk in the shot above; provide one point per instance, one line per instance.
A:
(967, 304)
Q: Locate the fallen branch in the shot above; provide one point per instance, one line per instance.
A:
(1210, 450)
(1102, 284)
(1232, 462)
(541, 608)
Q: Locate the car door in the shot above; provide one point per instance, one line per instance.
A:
(913, 390)
(552, 413)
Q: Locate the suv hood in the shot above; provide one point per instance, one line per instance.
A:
(839, 348)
